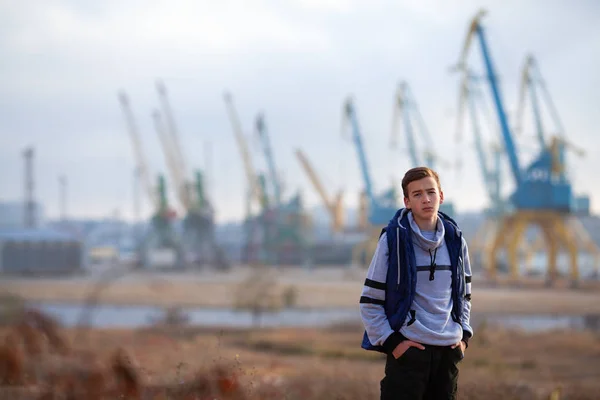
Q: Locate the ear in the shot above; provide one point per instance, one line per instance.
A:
(407, 203)
(441, 197)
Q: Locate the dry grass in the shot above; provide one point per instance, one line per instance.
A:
(40, 360)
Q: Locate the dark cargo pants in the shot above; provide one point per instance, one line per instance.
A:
(430, 374)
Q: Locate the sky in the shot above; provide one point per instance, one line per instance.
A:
(296, 61)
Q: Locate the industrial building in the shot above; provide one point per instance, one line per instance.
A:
(39, 252)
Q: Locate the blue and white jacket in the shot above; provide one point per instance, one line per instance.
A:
(388, 295)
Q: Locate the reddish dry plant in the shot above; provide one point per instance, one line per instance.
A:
(32, 339)
(49, 327)
(11, 362)
(219, 382)
(126, 376)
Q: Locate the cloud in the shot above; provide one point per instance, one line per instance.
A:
(64, 61)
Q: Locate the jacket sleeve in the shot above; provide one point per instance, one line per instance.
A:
(466, 311)
(372, 301)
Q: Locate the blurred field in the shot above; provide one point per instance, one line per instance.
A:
(313, 289)
(40, 360)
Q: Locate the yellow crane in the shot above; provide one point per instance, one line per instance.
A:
(256, 192)
(172, 162)
(557, 146)
(334, 206)
(141, 162)
(170, 129)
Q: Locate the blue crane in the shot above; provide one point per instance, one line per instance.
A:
(542, 196)
(406, 105)
(382, 207)
(471, 94)
(531, 79)
(536, 187)
(402, 105)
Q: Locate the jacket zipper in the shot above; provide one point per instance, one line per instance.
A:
(462, 270)
(398, 254)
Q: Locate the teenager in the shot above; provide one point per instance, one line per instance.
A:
(416, 300)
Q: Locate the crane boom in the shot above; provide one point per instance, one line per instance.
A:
(551, 106)
(406, 105)
(429, 154)
(172, 130)
(171, 159)
(251, 175)
(142, 165)
(313, 177)
(525, 78)
(477, 29)
(261, 128)
(333, 207)
(491, 177)
(364, 166)
(401, 109)
(531, 77)
(527, 81)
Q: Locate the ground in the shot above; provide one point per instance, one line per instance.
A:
(173, 362)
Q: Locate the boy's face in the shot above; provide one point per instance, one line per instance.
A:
(424, 198)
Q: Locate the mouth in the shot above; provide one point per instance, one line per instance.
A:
(428, 209)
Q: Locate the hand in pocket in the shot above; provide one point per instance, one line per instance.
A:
(405, 345)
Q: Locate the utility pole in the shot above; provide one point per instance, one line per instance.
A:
(62, 182)
(29, 220)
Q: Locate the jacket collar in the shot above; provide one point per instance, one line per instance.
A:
(400, 219)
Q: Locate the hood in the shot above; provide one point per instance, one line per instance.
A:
(401, 219)
(421, 240)
(397, 218)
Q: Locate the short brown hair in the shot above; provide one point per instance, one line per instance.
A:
(414, 174)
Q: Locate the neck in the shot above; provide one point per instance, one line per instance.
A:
(426, 224)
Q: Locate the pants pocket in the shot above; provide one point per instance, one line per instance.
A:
(406, 354)
(457, 354)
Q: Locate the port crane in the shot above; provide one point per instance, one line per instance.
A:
(160, 233)
(380, 207)
(541, 197)
(333, 205)
(287, 236)
(407, 108)
(199, 241)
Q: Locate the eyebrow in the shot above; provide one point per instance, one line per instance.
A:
(420, 190)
